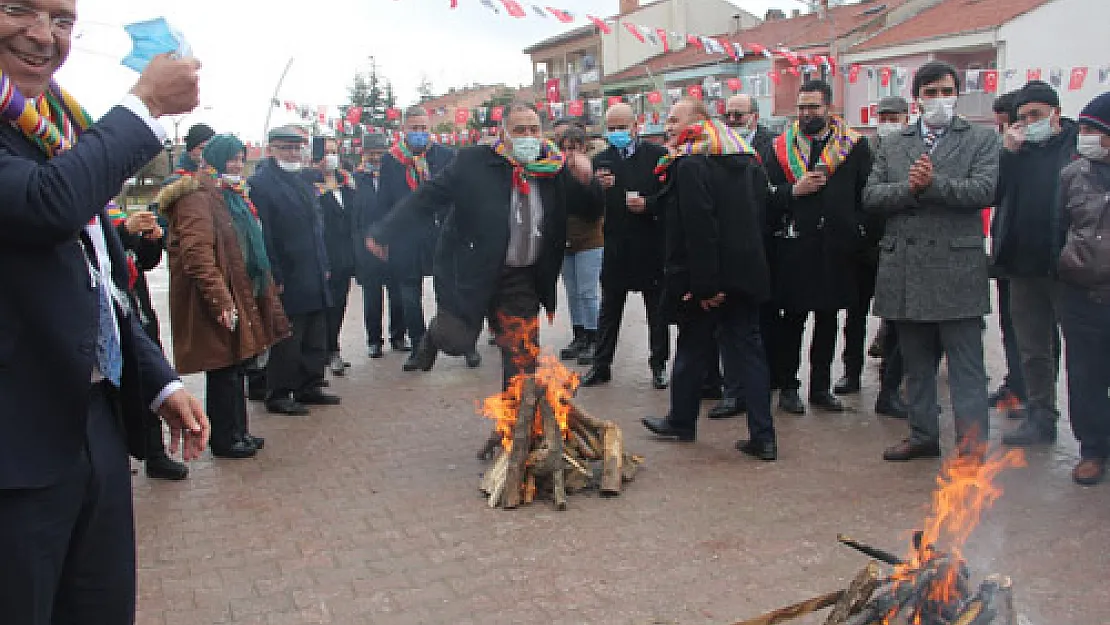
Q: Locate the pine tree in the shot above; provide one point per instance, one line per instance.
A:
(374, 94)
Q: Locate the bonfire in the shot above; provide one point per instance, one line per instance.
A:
(542, 443)
(932, 584)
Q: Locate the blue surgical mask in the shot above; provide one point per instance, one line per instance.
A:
(619, 139)
(417, 140)
(526, 149)
(151, 38)
(1039, 130)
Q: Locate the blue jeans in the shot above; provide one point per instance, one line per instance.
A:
(582, 279)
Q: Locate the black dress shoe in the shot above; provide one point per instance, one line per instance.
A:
(423, 358)
(162, 467)
(1031, 431)
(847, 385)
(375, 351)
(790, 401)
(474, 360)
(891, 405)
(664, 427)
(907, 450)
(286, 406)
(256, 394)
(826, 401)
(712, 391)
(658, 377)
(764, 450)
(240, 449)
(598, 374)
(257, 441)
(399, 345)
(728, 407)
(317, 397)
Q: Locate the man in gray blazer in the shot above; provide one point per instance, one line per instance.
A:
(931, 181)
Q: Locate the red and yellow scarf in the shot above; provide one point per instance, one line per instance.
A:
(549, 164)
(792, 148)
(51, 121)
(416, 165)
(705, 138)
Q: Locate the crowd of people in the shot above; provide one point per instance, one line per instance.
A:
(732, 234)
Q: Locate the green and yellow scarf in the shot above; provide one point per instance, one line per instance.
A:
(416, 165)
(549, 164)
(45, 120)
(704, 138)
(792, 148)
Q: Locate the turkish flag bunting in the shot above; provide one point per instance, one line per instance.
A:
(694, 41)
(853, 74)
(497, 113)
(614, 100)
(1032, 74)
(774, 76)
(562, 16)
(1078, 76)
(694, 91)
(662, 34)
(575, 108)
(735, 84)
(354, 114)
(655, 97)
(727, 45)
(884, 76)
(755, 47)
(392, 114)
(514, 8)
(601, 25)
(794, 71)
(990, 81)
(462, 116)
(635, 31)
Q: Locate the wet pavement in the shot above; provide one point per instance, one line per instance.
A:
(369, 513)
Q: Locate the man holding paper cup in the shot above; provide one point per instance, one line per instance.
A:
(77, 371)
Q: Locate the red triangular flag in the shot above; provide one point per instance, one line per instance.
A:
(562, 16)
(727, 45)
(635, 31)
(601, 25)
(662, 33)
(1078, 76)
(513, 7)
(454, 4)
(496, 113)
(990, 81)
(695, 41)
(884, 76)
(755, 47)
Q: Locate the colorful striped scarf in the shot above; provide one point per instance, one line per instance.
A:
(705, 138)
(793, 147)
(48, 120)
(416, 165)
(342, 179)
(549, 164)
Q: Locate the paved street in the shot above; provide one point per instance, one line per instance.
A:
(368, 513)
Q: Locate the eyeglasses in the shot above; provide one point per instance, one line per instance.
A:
(737, 114)
(932, 92)
(25, 16)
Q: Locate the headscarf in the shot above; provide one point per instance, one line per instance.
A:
(244, 216)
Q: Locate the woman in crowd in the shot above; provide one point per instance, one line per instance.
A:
(1084, 303)
(224, 309)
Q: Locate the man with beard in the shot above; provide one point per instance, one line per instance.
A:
(501, 249)
(633, 230)
(819, 169)
(291, 219)
(410, 163)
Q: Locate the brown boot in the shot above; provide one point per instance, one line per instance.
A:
(1089, 471)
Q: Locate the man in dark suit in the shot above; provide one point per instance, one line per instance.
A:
(408, 164)
(633, 258)
(77, 371)
(716, 270)
(294, 229)
(503, 238)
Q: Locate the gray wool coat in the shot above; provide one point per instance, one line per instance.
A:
(932, 258)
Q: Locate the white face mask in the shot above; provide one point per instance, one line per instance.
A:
(889, 128)
(938, 111)
(1039, 130)
(289, 166)
(331, 162)
(1090, 146)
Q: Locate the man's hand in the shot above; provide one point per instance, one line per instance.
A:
(169, 85)
(606, 179)
(381, 251)
(706, 304)
(636, 204)
(1013, 137)
(810, 183)
(189, 428)
(921, 174)
(580, 167)
(140, 222)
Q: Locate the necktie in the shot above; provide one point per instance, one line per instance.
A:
(109, 356)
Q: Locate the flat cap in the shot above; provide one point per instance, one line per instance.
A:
(288, 132)
(893, 104)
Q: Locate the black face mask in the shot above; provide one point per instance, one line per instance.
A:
(812, 125)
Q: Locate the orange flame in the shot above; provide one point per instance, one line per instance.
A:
(965, 488)
(518, 335)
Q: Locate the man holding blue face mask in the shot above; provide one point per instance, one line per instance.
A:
(411, 162)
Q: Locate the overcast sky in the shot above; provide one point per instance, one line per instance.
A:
(245, 44)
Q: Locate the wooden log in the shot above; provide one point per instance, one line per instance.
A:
(495, 473)
(874, 552)
(578, 415)
(590, 440)
(612, 459)
(522, 437)
(552, 437)
(971, 613)
(583, 446)
(856, 596)
(559, 490)
(530, 488)
(797, 610)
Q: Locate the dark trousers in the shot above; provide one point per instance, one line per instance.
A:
(893, 368)
(410, 279)
(770, 324)
(155, 444)
(297, 364)
(68, 550)
(735, 324)
(374, 288)
(516, 306)
(855, 322)
(226, 406)
(961, 340)
(340, 287)
(609, 323)
(1037, 330)
(1014, 379)
(1086, 324)
(788, 350)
